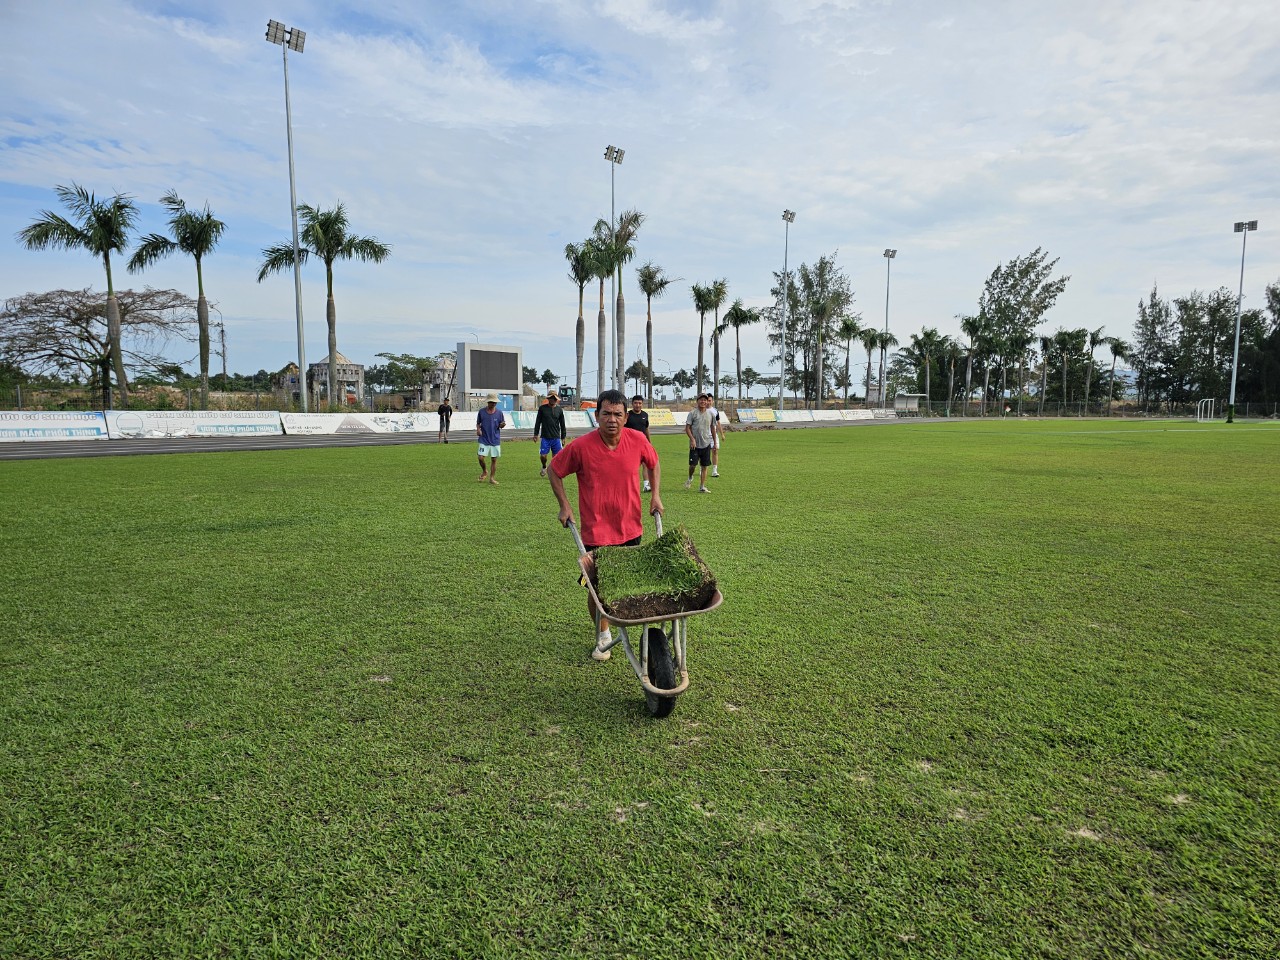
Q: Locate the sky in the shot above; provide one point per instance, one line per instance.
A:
(1125, 139)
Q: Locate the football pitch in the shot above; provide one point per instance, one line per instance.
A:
(983, 689)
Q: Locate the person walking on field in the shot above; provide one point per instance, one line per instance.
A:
(699, 427)
(609, 505)
(445, 411)
(549, 425)
(638, 419)
(717, 434)
(489, 424)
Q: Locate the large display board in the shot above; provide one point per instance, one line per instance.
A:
(489, 368)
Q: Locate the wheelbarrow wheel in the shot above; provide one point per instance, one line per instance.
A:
(662, 674)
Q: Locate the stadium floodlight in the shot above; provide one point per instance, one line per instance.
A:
(1242, 227)
(889, 254)
(789, 217)
(294, 40)
(614, 156)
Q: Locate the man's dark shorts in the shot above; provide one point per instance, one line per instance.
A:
(699, 456)
(629, 543)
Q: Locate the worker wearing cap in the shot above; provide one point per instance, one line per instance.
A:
(550, 429)
(489, 424)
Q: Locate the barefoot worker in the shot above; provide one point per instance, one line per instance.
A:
(609, 504)
(489, 424)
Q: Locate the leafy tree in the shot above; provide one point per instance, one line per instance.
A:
(975, 328)
(951, 351)
(825, 296)
(548, 378)
(1095, 340)
(1046, 345)
(748, 378)
(529, 374)
(682, 380)
(637, 372)
(325, 235)
(581, 272)
(101, 227)
(67, 333)
(1152, 354)
(404, 371)
(925, 345)
(652, 284)
(735, 318)
(1019, 293)
(195, 233)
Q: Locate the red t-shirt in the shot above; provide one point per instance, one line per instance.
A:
(608, 490)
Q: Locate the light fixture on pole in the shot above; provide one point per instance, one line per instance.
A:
(614, 156)
(790, 217)
(1242, 227)
(293, 39)
(884, 390)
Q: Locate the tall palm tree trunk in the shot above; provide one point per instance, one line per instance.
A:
(621, 308)
(715, 365)
(986, 387)
(702, 327)
(866, 396)
(580, 336)
(202, 318)
(114, 336)
(602, 325)
(1111, 384)
(819, 373)
(737, 351)
(648, 339)
(1044, 384)
(968, 384)
(848, 352)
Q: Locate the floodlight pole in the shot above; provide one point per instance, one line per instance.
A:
(286, 37)
(788, 217)
(884, 388)
(1242, 227)
(614, 156)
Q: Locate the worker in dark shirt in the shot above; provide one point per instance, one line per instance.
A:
(638, 419)
(550, 429)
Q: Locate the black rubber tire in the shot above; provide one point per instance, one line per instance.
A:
(662, 674)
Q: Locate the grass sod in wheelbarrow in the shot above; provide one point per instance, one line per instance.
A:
(662, 578)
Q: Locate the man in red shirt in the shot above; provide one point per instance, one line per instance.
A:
(605, 461)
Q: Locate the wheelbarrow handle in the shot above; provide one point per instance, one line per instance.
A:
(577, 537)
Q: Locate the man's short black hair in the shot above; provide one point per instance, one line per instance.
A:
(637, 397)
(611, 396)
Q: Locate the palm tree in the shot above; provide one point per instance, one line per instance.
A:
(1019, 343)
(1096, 339)
(196, 234)
(737, 317)
(102, 227)
(850, 327)
(703, 302)
(719, 293)
(975, 329)
(324, 235)
(652, 284)
(1046, 344)
(1120, 350)
(581, 273)
(624, 233)
(1068, 341)
(868, 338)
(925, 344)
(886, 341)
(602, 264)
(951, 350)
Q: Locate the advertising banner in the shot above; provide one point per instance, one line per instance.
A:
(578, 420)
(149, 424)
(827, 415)
(353, 423)
(857, 414)
(795, 416)
(661, 417)
(52, 425)
(746, 415)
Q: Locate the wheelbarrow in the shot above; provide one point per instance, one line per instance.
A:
(662, 664)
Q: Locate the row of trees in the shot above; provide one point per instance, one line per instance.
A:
(103, 227)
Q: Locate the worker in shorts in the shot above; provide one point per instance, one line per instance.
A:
(717, 432)
(489, 424)
(698, 427)
(638, 419)
(549, 429)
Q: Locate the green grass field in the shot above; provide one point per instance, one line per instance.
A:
(976, 690)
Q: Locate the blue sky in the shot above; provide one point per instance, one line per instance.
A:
(1125, 139)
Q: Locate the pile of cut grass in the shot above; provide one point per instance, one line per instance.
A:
(660, 578)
